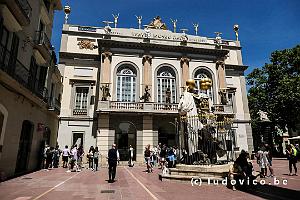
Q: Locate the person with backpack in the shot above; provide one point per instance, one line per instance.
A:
(291, 153)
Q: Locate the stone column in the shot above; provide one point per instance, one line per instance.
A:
(184, 62)
(105, 137)
(147, 62)
(149, 137)
(105, 71)
(106, 67)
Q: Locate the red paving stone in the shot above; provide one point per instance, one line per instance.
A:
(88, 185)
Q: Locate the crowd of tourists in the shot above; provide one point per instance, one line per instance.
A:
(164, 157)
(71, 158)
(161, 155)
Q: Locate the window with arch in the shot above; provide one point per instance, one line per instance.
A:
(126, 83)
(166, 78)
(201, 74)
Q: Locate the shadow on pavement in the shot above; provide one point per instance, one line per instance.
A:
(272, 192)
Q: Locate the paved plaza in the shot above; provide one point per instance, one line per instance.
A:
(134, 183)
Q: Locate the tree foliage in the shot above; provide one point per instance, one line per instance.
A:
(275, 89)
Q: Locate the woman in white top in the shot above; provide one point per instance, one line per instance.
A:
(262, 160)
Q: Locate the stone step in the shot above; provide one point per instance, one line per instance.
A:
(205, 168)
(188, 172)
(184, 178)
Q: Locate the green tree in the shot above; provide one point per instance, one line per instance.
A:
(275, 89)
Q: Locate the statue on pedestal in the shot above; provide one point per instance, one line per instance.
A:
(146, 96)
(105, 92)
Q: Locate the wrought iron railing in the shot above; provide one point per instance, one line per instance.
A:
(41, 38)
(25, 7)
(14, 68)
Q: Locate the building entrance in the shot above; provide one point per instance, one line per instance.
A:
(24, 147)
(124, 137)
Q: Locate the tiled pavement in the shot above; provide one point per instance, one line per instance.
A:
(134, 183)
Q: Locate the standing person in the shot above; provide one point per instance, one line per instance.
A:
(154, 155)
(262, 160)
(270, 158)
(45, 152)
(49, 158)
(95, 159)
(112, 163)
(291, 153)
(65, 156)
(130, 162)
(80, 154)
(90, 157)
(56, 155)
(74, 159)
(147, 155)
(162, 155)
(158, 153)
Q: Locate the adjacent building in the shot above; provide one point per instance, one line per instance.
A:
(106, 72)
(30, 84)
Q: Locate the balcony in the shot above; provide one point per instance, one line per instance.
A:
(223, 109)
(42, 47)
(80, 112)
(19, 9)
(54, 105)
(15, 69)
(116, 106)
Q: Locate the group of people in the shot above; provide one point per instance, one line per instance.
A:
(162, 155)
(264, 160)
(242, 168)
(50, 157)
(72, 158)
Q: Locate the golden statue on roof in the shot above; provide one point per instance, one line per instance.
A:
(157, 23)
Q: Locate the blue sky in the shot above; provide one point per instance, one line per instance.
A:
(265, 25)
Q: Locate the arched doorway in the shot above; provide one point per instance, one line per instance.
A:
(167, 134)
(125, 136)
(24, 147)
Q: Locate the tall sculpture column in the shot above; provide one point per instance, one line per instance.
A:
(184, 62)
(220, 65)
(106, 70)
(147, 62)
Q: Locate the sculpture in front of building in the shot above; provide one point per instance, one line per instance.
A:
(146, 96)
(188, 110)
(105, 92)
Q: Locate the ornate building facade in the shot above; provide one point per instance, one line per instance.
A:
(123, 85)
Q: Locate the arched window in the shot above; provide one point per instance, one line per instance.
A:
(126, 83)
(201, 74)
(166, 79)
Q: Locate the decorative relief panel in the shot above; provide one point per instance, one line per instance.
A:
(87, 44)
